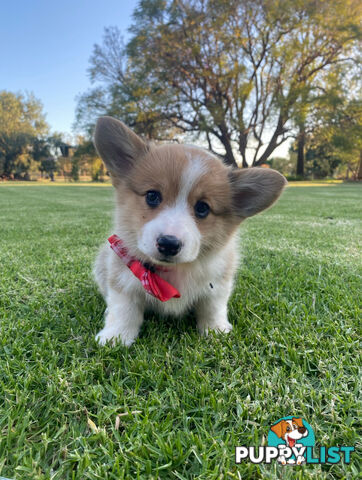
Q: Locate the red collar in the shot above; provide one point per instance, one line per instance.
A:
(151, 282)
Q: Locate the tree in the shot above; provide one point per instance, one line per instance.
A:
(282, 165)
(323, 113)
(331, 123)
(229, 72)
(124, 95)
(338, 138)
(22, 131)
(42, 154)
(49, 166)
(89, 160)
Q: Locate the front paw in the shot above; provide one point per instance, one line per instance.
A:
(107, 335)
(221, 326)
(114, 335)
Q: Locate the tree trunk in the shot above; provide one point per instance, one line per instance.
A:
(243, 139)
(7, 168)
(300, 156)
(272, 144)
(229, 159)
(359, 174)
(225, 140)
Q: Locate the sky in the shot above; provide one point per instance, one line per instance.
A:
(45, 46)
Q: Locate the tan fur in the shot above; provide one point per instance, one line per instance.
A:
(160, 169)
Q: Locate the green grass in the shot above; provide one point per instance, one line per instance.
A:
(293, 350)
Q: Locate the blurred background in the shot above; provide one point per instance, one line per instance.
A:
(259, 83)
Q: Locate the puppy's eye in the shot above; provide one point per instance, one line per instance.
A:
(202, 209)
(288, 428)
(153, 198)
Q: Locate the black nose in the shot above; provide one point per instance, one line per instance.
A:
(302, 429)
(168, 245)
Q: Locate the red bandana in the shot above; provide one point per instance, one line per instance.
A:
(151, 282)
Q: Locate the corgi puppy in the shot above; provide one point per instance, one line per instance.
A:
(178, 209)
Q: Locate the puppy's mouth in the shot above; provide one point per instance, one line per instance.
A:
(171, 261)
(167, 260)
(164, 261)
(291, 442)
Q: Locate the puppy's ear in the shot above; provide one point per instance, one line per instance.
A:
(254, 189)
(118, 146)
(298, 421)
(278, 428)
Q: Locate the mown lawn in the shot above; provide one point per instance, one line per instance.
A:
(187, 401)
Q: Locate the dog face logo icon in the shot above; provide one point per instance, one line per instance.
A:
(290, 430)
(291, 435)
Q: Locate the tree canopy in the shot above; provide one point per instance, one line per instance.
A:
(235, 73)
(22, 132)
